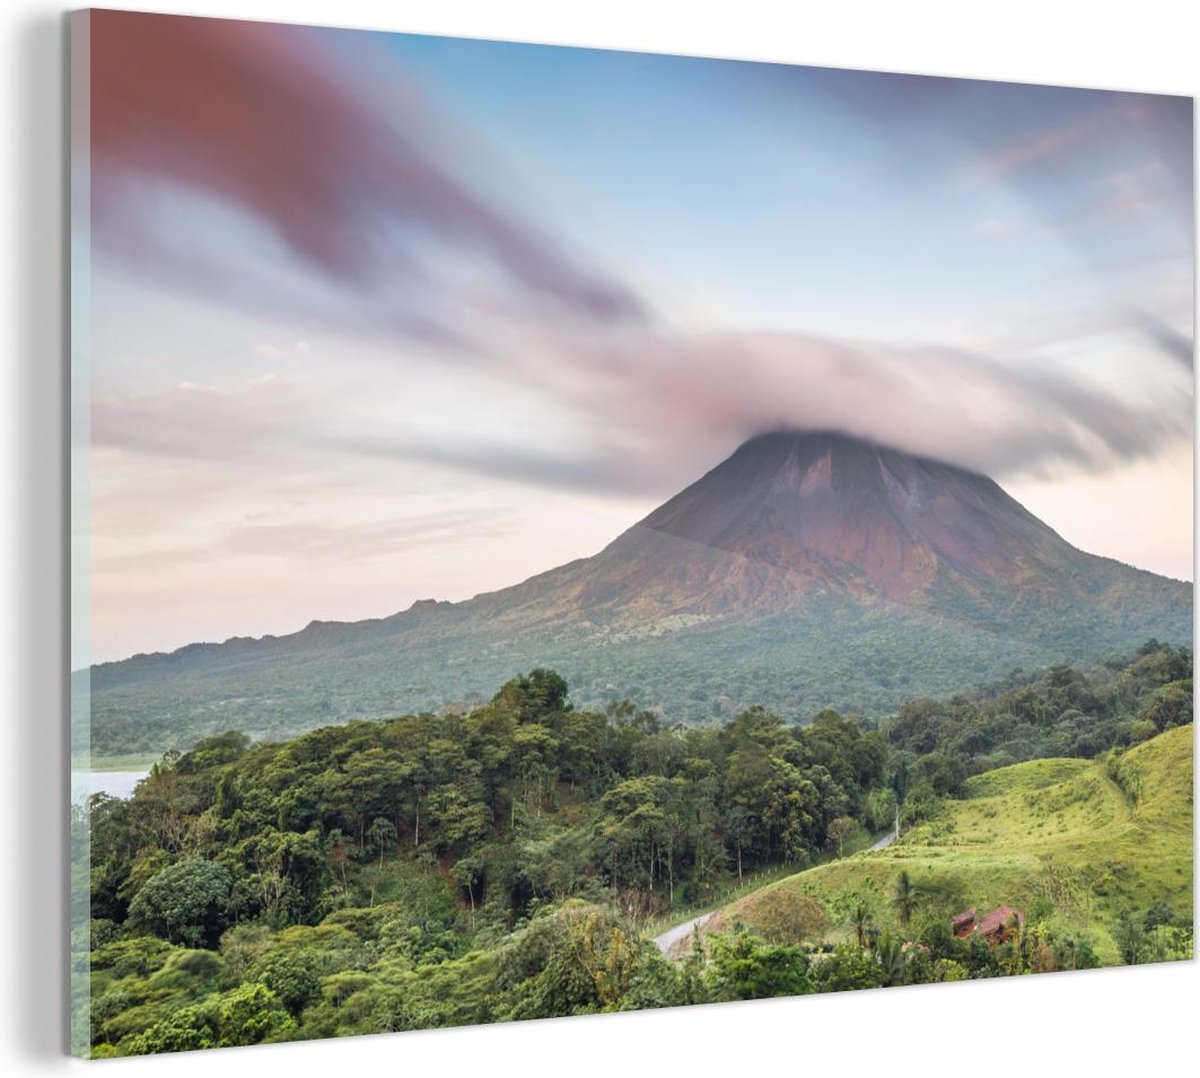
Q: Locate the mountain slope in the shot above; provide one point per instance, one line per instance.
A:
(791, 515)
(807, 570)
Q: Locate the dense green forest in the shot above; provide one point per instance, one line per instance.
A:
(503, 862)
(864, 659)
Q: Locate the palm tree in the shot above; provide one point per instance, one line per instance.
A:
(890, 953)
(860, 919)
(905, 898)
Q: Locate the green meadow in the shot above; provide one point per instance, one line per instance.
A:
(1072, 843)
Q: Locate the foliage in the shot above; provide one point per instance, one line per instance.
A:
(498, 863)
(252, 1013)
(187, 902)
(846, 968)
(905, 896)
(746, 967)
(863, 659)
(1054, 838)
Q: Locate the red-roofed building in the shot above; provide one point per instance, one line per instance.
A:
(995, 927)
(963, 924)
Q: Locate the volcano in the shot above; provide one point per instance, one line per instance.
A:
(809, 569)
(791, 515)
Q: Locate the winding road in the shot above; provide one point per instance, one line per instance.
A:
(672, 936)
(886, 841)
(680, 932)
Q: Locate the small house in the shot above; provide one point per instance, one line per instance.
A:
(995, 927)
(963, 924)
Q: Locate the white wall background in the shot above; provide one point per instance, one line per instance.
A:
(1126, 1022)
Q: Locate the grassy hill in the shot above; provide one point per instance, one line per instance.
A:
(1073, 842)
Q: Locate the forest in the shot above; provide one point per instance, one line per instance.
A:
(505, 862)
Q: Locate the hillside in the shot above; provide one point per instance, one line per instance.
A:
(806, 571)
(507, 863)
(1059, 838)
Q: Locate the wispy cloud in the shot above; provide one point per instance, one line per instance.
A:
(238, 422)
(307, 541)
(1179, 346)
(1031, 150)
(334, 344)
(282, 351)
(276, 121)
(272, 120)
(656, 408)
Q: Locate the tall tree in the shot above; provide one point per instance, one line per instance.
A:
(905, 897)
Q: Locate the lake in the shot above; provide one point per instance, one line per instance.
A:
(115, 783)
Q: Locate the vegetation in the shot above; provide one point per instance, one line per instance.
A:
(502, 862)
(834, 653)
(1092, 868)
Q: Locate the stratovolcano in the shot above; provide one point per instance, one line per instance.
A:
(792, 514)
(808, 569)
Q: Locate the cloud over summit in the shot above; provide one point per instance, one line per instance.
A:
(350, 284)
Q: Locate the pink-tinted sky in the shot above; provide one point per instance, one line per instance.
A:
(377, 318)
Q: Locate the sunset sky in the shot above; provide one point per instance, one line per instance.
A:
(377, 317)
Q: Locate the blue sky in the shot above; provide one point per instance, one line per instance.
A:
(381, 317)
(814, 199)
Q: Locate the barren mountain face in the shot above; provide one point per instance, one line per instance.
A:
(792, 515)
(842, 511)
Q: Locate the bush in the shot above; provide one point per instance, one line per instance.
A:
(1171, 706)
(746, 967)
(187, 902)
(845, 969)
(139, 956)
(252, 1013)
(186, 1030)
(781, 915)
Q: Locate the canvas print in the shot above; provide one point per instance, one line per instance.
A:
(561, 531)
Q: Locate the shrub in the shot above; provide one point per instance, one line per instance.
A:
(187, 902)
(252, 1013)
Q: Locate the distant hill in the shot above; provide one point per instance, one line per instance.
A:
(1061, 831)
(806, 570)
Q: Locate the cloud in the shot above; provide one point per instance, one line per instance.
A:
(652, 411)
(239, 423)
(273, 121)
(1179, 346)
(290, 128)
(282, 351)
(1111, 161)
(307, 541)
(1032, 149)
(962, 407)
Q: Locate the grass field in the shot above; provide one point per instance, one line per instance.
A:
(1079, 840)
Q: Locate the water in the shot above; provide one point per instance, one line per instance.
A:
(114, 783)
